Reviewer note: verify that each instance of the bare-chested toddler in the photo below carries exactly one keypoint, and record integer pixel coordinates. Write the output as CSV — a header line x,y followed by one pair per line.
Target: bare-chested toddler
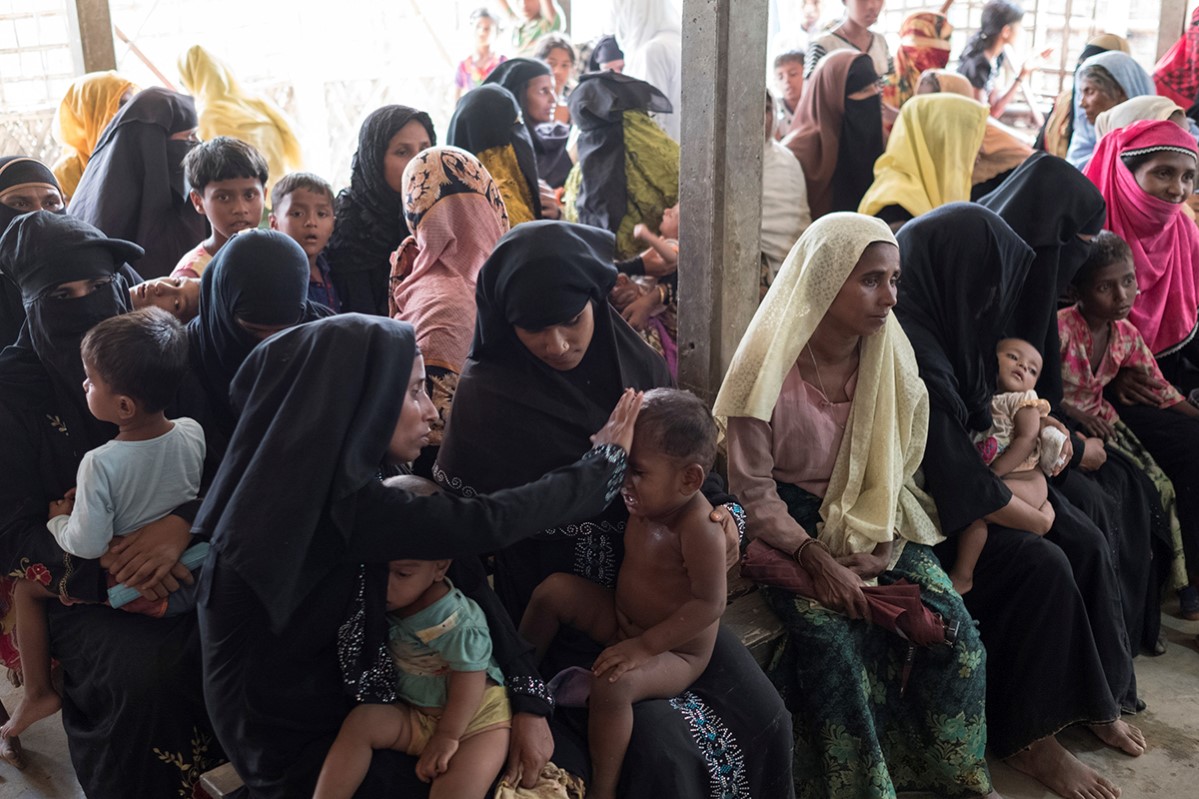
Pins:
x,y
660,623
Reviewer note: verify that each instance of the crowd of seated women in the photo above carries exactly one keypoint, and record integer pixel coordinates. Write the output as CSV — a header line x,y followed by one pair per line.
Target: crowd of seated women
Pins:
x,y
968,384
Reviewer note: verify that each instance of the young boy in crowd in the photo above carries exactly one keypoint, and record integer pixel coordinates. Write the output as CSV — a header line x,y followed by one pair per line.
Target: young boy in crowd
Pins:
x,y
853,33
788,71
454,712
302,207
660,623
1017,449
134,364
227,179
1098,341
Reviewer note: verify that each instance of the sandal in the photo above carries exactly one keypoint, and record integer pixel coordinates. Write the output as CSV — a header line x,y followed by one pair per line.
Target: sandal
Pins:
x,y
1188,603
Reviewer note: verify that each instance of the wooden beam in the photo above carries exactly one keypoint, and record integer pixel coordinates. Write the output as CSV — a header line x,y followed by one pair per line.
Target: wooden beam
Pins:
x,y
91,21
720,193
1172,20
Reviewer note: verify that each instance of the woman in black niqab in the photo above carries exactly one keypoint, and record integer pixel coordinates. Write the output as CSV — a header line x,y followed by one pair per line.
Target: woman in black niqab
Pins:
x,y
549,138
861,137
318,405
133,187
370,214
962,272
1050,205
515,416
132,684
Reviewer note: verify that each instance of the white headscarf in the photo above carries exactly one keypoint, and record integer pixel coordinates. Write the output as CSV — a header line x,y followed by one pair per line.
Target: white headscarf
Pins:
x,y
872,494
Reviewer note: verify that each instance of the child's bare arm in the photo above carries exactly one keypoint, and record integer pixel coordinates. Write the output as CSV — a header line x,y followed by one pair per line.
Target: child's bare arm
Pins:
x,y
703,548
1186,408
1024,441
657,244
464,694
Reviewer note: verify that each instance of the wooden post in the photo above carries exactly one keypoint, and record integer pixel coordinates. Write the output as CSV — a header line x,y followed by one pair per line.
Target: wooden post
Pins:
x,y
91,20
720,193
1172,20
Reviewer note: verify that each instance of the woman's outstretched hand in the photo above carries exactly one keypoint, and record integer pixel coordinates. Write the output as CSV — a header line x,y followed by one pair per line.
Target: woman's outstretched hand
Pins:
x,y
619,428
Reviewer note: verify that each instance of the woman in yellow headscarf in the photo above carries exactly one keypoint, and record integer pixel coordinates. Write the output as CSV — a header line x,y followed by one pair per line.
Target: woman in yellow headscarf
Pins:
x,y
89,105
929,159
226,109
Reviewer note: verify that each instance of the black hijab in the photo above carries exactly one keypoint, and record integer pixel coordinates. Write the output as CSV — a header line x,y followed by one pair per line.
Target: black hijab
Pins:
x,y
515,417
133,187
1047,202
317,407
40,251
606,50
861,137
963,269
488,117
370,216
549,138
962,272
16,170
261,277
597,106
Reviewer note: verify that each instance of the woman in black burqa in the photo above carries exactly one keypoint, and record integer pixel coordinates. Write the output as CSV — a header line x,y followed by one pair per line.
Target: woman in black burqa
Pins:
x,y
132,703
298,516
549,355
133,187
1048,607
370,213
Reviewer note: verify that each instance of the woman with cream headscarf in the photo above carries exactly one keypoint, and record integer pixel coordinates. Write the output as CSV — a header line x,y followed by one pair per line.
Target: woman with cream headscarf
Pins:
x,y
88,106
226,109
929,159
650,33
1150,106
826,418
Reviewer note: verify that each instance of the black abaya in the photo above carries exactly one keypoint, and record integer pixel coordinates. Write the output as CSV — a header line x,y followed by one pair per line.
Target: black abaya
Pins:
x,y
1048,607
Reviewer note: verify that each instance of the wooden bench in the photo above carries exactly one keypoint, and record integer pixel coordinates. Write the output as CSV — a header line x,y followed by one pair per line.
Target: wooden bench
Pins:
x,y
747,614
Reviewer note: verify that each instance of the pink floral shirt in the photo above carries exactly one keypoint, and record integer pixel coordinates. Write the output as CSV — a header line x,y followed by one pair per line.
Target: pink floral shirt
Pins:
x,y
1083,385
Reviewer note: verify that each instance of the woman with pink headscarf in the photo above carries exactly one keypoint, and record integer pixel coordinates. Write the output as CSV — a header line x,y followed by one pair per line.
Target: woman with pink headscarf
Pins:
x,y
456,215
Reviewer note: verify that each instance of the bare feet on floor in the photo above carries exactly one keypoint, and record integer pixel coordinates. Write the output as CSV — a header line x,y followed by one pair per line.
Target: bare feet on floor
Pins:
x,y
1048,762
33,708
1121,735
11,752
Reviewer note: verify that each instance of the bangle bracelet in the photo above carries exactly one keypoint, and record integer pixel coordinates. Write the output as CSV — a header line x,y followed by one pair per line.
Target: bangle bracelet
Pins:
x,y
662,295
799,550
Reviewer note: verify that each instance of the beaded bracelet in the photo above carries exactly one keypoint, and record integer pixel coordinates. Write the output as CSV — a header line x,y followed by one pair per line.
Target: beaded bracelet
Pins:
x,y
807,542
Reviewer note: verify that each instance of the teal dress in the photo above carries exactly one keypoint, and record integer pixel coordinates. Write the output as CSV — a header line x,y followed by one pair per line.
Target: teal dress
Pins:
x,y
856,736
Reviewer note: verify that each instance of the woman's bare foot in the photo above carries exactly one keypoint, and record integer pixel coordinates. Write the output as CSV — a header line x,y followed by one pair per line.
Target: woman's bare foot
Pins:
x,y
33,708
1121,735
1048,762
11,751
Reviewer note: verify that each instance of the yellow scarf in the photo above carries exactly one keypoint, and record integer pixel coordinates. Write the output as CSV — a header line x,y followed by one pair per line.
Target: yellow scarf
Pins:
x,y
225,109
89,105
505,170
871,493
930,155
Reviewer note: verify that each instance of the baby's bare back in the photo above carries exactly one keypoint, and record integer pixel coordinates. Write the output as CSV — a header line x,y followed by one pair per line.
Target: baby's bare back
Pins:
x,y
655,581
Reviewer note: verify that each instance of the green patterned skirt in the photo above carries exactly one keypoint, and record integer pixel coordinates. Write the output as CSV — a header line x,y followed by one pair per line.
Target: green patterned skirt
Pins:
x,y
856,737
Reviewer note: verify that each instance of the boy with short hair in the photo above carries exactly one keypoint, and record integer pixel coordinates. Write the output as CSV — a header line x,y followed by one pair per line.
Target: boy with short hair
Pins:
x,y
227,179
788,71
302,207
134,364
660,623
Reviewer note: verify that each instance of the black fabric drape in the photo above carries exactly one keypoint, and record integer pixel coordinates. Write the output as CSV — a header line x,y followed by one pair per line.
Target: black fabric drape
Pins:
x,y
1048,203
597,107
1048,607
370,215
134,187
549,138
861,137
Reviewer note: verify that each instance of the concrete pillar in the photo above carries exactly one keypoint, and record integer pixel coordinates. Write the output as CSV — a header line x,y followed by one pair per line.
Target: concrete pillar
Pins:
x,y
1172,21
92,22
724,96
